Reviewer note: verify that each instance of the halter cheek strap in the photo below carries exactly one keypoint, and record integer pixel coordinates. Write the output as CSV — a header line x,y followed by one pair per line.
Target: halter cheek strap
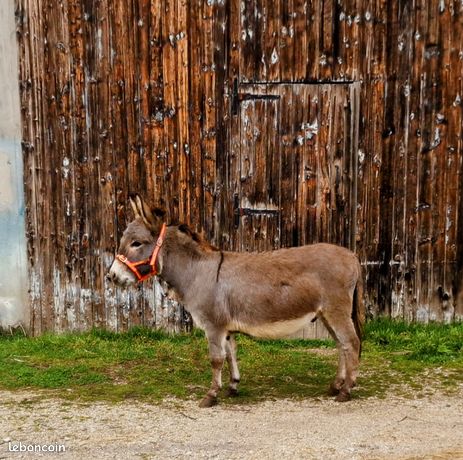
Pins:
x,y
150,263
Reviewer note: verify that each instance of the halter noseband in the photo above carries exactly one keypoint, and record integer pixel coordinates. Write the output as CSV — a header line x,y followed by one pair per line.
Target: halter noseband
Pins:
x,y
150,263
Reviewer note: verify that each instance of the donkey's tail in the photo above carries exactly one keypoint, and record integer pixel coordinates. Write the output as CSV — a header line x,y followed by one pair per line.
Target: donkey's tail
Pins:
x,y
358,308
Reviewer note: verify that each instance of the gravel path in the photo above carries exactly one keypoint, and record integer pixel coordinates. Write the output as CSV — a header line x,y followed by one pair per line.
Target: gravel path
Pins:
x,y
392,428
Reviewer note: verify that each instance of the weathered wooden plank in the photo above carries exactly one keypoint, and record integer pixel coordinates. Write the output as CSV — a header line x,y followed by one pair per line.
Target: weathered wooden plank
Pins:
x,y
185,211
272,43
456,145
313,41
158,111
209,119
327,109
284,56
400,123
247,40
59,110
223,82
300,122
259,203
308,191
170,172
289,176
327,21
196,91
437,56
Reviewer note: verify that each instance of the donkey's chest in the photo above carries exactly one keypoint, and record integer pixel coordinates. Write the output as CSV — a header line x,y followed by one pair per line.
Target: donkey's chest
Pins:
x,y
273,330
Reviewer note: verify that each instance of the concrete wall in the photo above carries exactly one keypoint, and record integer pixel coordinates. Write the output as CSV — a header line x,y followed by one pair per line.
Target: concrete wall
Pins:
x,y
13,271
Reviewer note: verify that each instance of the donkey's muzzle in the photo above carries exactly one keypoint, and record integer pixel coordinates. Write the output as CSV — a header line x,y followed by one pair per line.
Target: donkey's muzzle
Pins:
x,y
118,274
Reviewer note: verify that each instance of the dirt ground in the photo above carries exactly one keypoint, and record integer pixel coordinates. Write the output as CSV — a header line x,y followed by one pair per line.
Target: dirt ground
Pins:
x,y
391,428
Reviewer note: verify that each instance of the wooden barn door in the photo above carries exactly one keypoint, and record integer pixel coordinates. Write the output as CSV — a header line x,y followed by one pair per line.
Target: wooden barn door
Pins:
x,y
256,174
293,168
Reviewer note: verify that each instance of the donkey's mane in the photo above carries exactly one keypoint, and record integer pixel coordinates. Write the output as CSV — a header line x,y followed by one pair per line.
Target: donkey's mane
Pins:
x,y
197,238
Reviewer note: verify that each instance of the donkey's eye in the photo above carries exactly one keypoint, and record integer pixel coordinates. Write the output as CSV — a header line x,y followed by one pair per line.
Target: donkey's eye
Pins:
x,y
135,244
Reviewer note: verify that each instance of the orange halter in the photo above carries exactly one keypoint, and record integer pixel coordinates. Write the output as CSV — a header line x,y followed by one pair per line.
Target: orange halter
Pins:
x,y
134,267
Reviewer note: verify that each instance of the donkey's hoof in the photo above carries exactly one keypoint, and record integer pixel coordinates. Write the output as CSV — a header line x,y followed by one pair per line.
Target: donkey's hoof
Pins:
x,y
208,401
343,396
232,392
333,390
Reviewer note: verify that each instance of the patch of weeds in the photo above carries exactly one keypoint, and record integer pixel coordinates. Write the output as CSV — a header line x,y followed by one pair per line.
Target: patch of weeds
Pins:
x,y
417,353
432,343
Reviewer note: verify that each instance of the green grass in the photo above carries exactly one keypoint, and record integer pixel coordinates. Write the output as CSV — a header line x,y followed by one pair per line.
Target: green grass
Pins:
x,y
428,343
151,365
413,359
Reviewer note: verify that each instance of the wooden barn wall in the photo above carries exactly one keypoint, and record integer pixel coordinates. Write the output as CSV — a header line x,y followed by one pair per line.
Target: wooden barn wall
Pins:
x,y
116,97
138,95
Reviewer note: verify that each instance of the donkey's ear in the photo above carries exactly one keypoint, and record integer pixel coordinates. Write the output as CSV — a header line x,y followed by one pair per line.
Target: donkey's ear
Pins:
x,y
133,204
152,218
159,213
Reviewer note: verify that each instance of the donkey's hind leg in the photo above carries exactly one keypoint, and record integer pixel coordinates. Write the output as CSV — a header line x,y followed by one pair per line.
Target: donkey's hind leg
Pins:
x,y
342,330
230,347
216,339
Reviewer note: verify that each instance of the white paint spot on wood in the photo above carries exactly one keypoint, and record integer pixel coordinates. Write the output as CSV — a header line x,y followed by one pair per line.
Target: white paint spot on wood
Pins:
x,y
361,156
310,129
65,169
58,298
401,43
99,43
274,57
437,138
448,223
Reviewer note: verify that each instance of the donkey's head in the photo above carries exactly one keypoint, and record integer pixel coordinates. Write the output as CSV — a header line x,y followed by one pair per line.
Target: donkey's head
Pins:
x,y
136,259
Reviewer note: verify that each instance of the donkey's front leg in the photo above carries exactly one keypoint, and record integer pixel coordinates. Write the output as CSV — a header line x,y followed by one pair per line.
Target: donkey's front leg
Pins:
x,y
230,348
216,339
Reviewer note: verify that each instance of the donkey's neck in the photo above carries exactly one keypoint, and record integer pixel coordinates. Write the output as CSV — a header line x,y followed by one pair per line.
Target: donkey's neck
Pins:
x,y
183,262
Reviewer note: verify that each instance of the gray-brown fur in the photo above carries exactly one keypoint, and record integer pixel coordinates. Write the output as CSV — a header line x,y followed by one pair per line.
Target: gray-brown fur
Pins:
x,y
263,294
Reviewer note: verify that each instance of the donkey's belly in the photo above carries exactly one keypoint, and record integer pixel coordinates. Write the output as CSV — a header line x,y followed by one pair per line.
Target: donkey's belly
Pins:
x,y
275,330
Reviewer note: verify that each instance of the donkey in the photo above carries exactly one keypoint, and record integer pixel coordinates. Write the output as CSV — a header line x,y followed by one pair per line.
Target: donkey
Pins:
x,y
269,294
